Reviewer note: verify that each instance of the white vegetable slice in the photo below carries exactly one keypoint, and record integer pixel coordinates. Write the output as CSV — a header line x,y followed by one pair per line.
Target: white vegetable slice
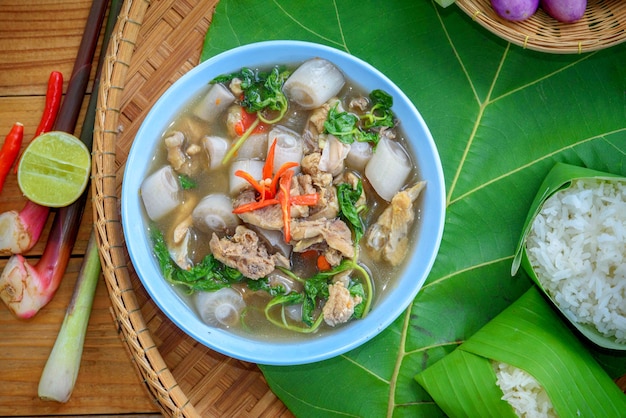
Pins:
x,y
216,101
215,213
360,153
313,83
289,146
252,167
220,308
161,192
215,147
255,147
388,169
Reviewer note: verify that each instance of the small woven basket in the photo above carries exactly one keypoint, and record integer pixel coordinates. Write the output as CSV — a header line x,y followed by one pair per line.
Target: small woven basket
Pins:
x,y
151,46
602,26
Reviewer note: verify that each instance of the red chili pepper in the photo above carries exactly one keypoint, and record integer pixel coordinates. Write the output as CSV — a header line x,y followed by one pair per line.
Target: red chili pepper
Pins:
x,y
54,94
246,121
53,102
10,150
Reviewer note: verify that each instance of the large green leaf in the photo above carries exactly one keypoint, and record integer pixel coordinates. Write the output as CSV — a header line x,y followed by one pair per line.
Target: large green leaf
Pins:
x,y
501,117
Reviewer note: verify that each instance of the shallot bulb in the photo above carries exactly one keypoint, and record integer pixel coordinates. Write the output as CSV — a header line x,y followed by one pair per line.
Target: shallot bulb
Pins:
x,y
220,308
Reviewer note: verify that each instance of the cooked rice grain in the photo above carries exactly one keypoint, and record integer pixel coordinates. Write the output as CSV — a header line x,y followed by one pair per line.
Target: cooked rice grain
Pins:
x,y
522,391
577,248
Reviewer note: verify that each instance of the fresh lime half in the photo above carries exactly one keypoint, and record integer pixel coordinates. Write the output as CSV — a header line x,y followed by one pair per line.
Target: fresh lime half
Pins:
x,y
54,169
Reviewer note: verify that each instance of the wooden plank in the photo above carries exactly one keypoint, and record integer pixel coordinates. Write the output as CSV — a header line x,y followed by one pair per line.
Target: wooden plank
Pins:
x,y
37,37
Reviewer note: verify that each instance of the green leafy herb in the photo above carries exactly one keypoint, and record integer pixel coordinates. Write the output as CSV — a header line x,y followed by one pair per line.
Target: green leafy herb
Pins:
x,y
207,275
380,113
263,284
262,94
261,90
315,291
356,289
348,211
348,127
186,182
345,127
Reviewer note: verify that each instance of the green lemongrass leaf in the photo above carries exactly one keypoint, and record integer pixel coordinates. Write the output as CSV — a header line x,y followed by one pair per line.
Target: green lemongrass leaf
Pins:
x,y
560,178
530,335
61,370
464,384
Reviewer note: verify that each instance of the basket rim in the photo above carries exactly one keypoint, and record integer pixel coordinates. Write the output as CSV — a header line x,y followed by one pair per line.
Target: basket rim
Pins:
x,y
127,316
602,26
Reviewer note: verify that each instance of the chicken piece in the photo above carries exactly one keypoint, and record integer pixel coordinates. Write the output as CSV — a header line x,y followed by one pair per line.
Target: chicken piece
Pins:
x,y
244,252
328,204
360,103
184,157
340,304
387,238
179,249
269,217
321,234
175,154
315,125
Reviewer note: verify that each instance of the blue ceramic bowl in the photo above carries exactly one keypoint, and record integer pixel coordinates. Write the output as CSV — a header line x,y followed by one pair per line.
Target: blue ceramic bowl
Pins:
x,y
384,311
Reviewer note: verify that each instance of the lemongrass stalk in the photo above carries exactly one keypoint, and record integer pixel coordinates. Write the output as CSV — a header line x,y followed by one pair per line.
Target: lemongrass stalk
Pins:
x,y
25,289
61,370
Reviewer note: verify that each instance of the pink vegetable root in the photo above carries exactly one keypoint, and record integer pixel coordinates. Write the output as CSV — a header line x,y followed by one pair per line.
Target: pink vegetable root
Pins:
x,y
20,231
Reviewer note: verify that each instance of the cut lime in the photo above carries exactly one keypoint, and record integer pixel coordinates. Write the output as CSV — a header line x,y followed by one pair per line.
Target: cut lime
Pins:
x,y
54,169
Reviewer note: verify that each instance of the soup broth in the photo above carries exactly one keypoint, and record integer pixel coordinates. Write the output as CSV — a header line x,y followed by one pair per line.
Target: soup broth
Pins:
x,y
294,225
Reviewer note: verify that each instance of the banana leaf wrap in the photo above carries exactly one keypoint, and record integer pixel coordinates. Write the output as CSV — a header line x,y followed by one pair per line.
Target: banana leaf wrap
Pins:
x,y
560,178
529,335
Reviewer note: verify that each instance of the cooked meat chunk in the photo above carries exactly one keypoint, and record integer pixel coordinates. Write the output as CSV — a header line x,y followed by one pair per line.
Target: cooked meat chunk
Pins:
x,y
340,304
387,239
359,103
321,234
179,249
184,157
244,252
175,154
322,183
315,126
269,217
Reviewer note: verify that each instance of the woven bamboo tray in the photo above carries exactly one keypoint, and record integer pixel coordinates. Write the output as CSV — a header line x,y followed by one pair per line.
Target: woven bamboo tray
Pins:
x,y
602,26
153,44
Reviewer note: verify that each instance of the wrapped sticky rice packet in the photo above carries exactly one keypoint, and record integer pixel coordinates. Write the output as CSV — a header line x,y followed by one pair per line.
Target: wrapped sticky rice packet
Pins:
x,y
528,336
573,246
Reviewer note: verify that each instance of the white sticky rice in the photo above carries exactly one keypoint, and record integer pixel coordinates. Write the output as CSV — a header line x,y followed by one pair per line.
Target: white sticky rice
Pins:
x,y
577,247
522,391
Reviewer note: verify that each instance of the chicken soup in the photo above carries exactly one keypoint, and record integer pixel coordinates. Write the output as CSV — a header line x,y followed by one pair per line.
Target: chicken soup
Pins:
x,y
283,201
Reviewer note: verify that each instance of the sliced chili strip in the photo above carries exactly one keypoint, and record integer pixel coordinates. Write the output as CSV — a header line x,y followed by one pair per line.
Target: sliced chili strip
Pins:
x,y
253,182
249,207
285,203
305,199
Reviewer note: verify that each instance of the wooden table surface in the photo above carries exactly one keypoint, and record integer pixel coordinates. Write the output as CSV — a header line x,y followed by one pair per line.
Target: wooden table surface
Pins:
x,y
37,37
